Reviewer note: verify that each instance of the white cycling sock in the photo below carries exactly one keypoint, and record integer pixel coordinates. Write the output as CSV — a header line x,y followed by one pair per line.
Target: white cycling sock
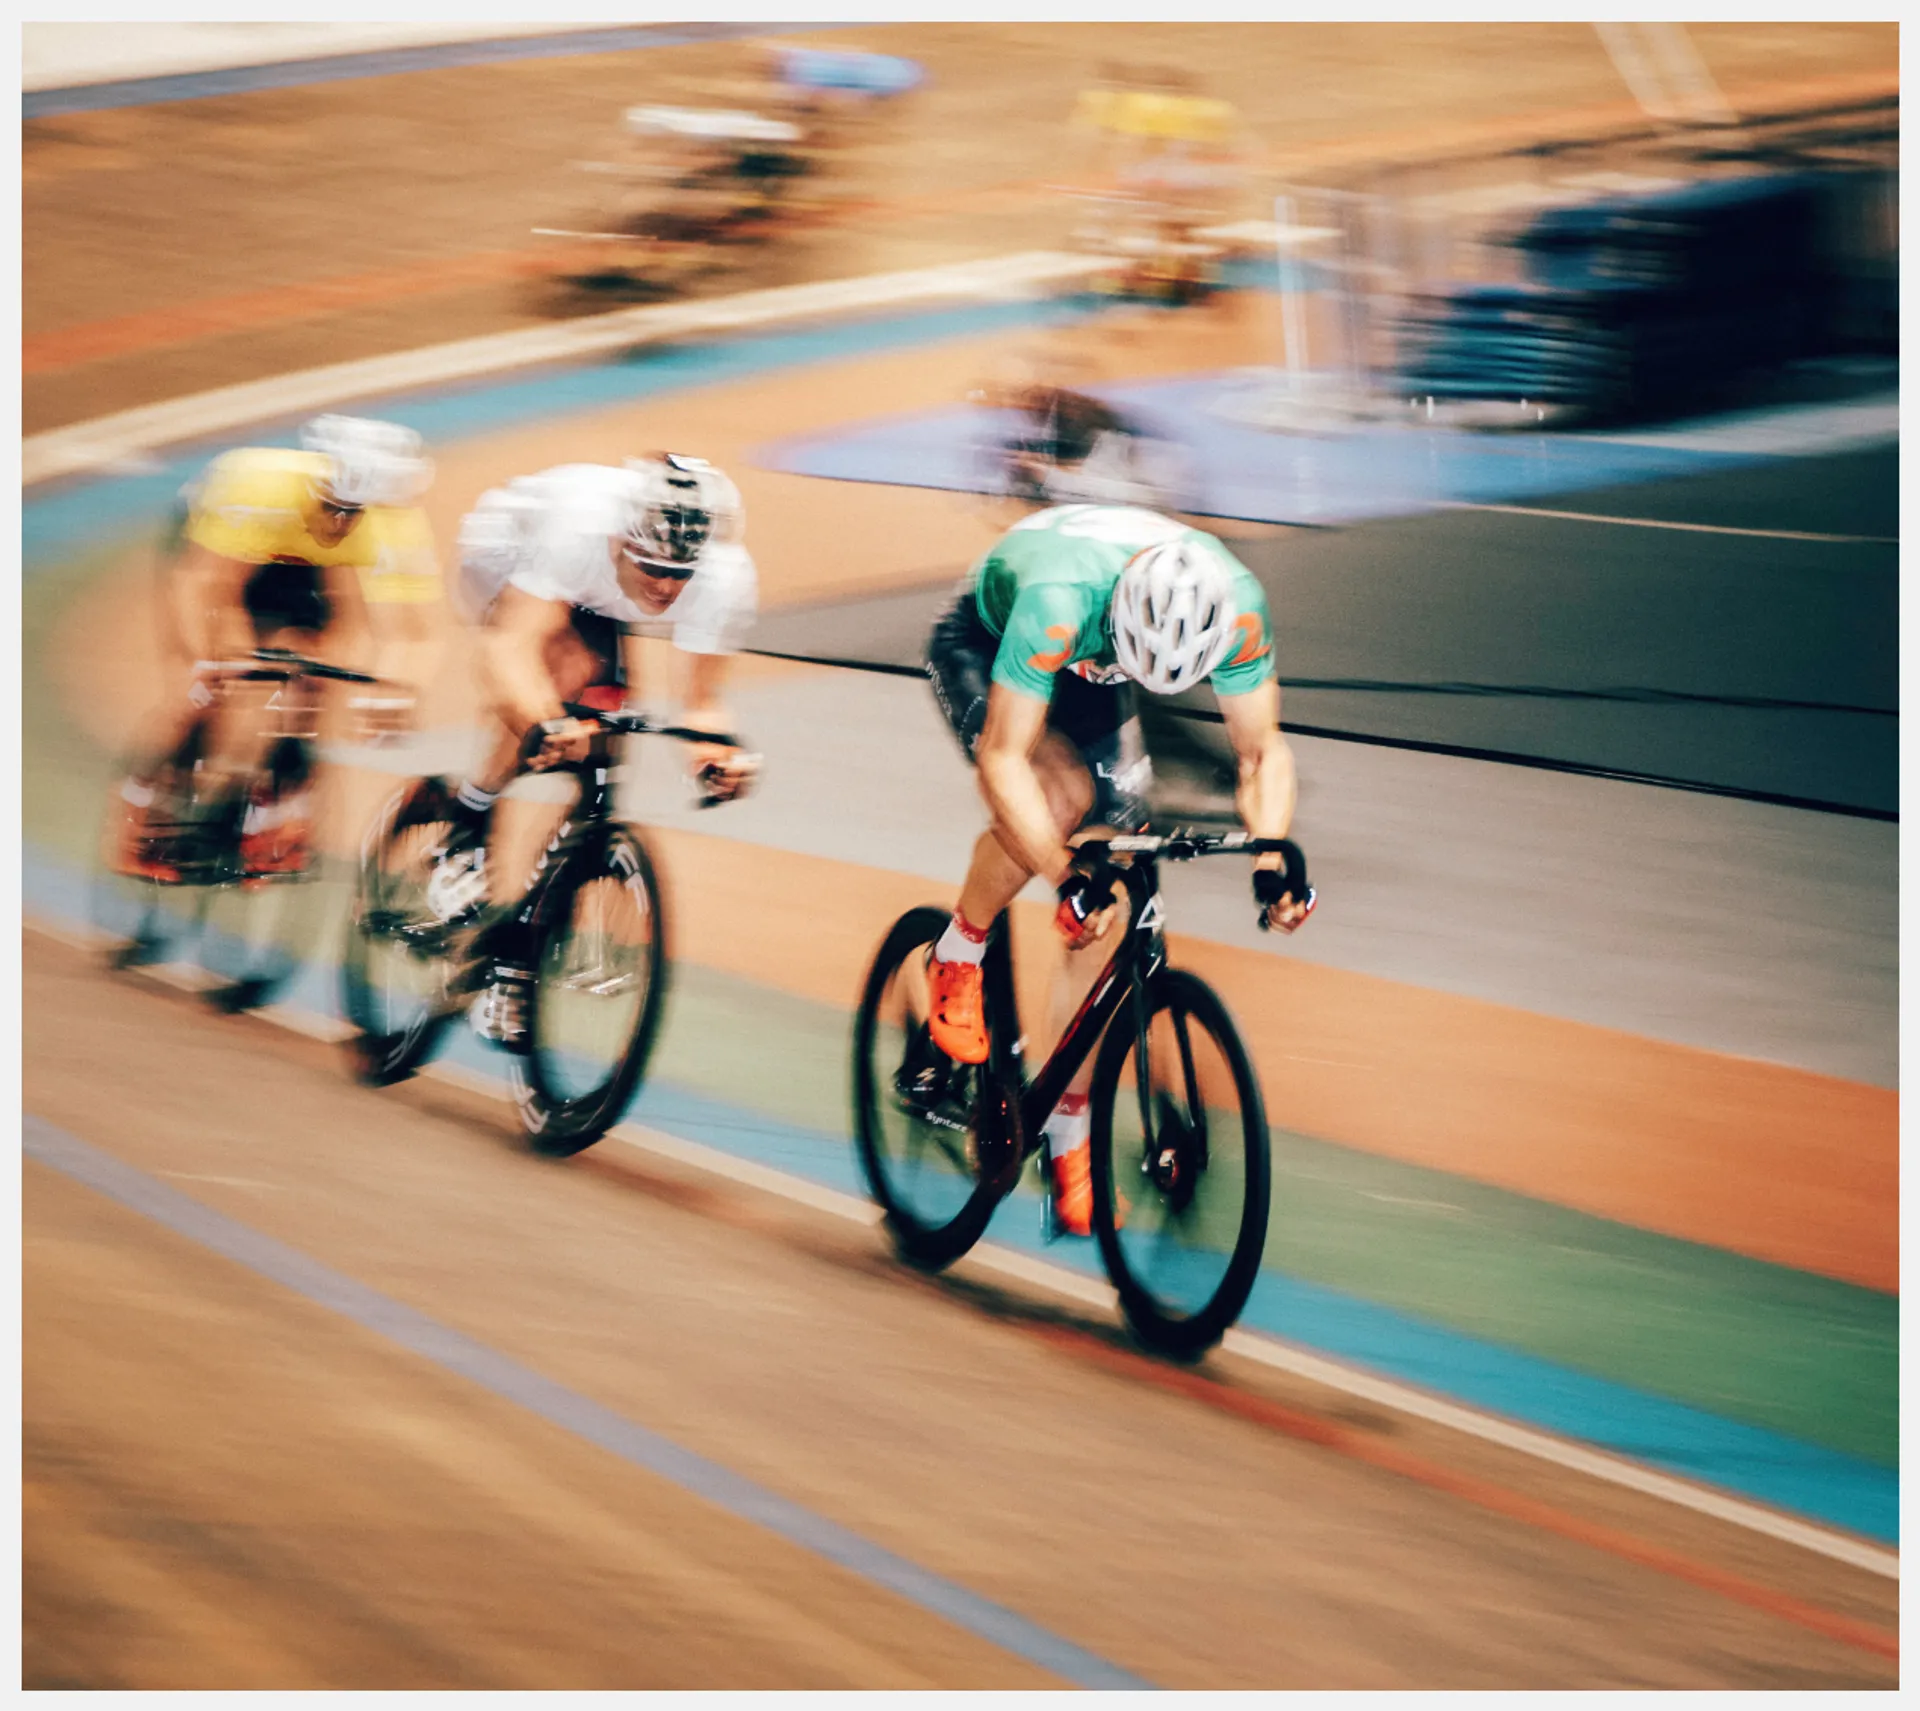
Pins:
x,y
1069,1125
470,795
961,942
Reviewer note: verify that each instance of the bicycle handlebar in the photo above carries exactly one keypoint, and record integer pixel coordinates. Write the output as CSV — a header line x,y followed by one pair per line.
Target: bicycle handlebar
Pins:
x,y
284,663
643,725
1186,846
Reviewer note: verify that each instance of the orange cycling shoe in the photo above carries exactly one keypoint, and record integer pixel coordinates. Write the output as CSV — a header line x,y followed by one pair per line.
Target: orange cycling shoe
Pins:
x,y
958,1021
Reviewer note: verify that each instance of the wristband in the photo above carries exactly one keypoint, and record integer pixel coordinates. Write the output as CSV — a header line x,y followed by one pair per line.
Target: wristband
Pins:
x,y
1271,884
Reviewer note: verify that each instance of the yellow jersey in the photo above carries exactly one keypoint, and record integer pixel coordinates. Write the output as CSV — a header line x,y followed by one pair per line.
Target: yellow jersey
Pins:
x,y
252,505
1152,113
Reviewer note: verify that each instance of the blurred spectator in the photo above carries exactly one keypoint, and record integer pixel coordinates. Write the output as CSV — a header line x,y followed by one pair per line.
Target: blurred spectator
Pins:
x,y
1160,160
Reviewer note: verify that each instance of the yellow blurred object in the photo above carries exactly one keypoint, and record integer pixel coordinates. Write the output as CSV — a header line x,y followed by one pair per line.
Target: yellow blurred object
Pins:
x,y
1158,114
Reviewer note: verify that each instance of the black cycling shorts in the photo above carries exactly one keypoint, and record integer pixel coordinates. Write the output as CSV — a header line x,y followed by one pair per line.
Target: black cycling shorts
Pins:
x,y
287,597
1097,718
601,637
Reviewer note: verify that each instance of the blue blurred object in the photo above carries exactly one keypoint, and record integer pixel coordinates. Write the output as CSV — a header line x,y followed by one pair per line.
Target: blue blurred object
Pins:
x,y
1639,304
860,73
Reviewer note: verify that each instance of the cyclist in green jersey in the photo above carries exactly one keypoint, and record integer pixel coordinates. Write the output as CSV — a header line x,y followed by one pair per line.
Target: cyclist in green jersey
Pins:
x,y
1034,664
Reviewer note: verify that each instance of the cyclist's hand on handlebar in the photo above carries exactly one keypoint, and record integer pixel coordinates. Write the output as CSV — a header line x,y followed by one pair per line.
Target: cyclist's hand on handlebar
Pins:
x,y
1086,899
558,742
722,774
1284,896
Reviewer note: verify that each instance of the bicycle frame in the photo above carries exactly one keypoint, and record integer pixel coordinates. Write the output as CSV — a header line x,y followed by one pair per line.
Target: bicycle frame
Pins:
x,y
592,814
1136,959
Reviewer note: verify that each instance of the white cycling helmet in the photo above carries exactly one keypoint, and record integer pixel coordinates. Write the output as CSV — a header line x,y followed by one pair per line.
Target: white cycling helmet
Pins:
x,y
374,463
681,503
1173,616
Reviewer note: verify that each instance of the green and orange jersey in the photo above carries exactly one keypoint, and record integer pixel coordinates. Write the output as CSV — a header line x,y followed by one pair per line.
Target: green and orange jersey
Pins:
x,y
1046,586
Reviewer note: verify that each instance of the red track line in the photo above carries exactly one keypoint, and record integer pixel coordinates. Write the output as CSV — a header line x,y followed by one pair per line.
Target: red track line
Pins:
x,y
1357,1446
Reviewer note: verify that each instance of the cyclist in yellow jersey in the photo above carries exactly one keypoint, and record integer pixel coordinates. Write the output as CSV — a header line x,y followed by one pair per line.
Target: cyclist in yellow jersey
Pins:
x,y
293,546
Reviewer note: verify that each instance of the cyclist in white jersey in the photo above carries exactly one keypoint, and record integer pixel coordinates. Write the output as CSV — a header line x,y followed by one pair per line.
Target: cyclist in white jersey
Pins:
x,y
557,567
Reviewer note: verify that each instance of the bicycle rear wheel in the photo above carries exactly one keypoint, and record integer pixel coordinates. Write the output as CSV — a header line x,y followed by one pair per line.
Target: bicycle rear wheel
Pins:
x,y
599,984
919,1117
1181,1175
138,920
397,970
246,939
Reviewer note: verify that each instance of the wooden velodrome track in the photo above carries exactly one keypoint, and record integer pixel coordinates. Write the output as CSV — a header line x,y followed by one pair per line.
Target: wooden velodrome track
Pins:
x,y
246,1464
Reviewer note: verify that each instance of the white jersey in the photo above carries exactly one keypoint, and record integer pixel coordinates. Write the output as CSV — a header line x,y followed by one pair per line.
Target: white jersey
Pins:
x,y
549,535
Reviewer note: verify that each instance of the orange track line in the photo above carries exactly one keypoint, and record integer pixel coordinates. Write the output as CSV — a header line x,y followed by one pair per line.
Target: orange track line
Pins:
x,y
1309,1428
159,329
128,335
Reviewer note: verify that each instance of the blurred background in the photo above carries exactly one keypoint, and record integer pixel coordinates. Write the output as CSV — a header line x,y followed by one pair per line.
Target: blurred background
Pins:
x,y
1547,377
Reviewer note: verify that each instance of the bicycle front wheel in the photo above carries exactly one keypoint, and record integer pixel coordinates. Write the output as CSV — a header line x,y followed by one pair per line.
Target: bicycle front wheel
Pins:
x,y
1181,1174
397,971
918,1116
599,984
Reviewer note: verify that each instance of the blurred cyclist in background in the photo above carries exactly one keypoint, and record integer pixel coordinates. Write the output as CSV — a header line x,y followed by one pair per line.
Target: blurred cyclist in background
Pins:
x,y
559,567
293,548
1062,445
1033,664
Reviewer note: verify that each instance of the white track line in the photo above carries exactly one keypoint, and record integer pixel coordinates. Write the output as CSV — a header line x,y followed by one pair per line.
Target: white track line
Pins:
x,y
1660,523
1287,1357
110,440
1094,1293
125,439
113,440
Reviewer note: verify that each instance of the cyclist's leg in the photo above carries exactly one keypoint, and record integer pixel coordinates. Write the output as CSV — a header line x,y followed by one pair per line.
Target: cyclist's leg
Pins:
x,y
268,734
177,736
579,660
465,877
1099,722
959,663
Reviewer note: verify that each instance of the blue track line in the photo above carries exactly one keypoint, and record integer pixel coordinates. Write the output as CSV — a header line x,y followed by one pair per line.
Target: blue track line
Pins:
x,y
1821,1484
567,1409
60,522
380,62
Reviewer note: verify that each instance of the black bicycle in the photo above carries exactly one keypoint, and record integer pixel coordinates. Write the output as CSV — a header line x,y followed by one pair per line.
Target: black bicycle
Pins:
x,y
1181,1175
192,889
590,930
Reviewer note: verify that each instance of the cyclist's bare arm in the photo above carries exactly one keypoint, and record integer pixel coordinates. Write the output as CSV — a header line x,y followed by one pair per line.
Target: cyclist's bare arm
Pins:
x,y
513,658
404,648
1267,788
723,771
212,617
705,707
516,678
1023,820
349,640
